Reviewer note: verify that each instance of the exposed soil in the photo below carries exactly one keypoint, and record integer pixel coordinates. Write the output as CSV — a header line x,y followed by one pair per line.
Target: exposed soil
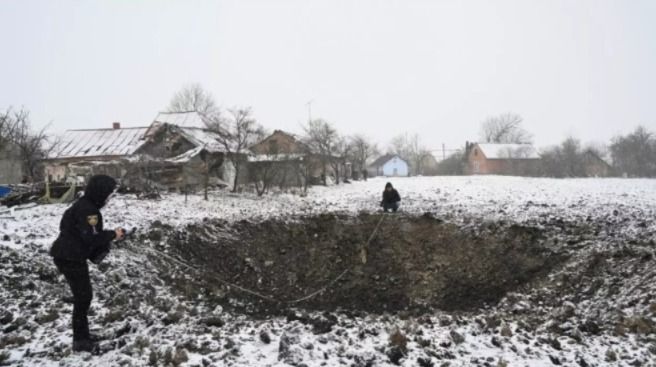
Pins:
x,y
413,263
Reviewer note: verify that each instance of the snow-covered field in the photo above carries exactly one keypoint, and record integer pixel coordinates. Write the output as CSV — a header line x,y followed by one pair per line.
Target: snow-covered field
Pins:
x,y
34,320
491,197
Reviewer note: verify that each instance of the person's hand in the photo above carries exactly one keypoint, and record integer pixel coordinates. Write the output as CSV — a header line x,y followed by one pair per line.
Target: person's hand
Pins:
x,y
120,234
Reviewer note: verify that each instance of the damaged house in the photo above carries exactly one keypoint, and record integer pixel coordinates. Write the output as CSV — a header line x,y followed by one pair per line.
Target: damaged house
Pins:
x,y
81,153
179,152
174,153
283,159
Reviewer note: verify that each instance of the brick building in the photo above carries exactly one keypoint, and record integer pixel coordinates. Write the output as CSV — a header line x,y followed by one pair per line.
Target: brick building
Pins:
x,y
502,159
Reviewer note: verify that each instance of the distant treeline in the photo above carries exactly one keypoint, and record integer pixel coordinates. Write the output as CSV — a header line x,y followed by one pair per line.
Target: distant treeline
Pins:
x,y
630,155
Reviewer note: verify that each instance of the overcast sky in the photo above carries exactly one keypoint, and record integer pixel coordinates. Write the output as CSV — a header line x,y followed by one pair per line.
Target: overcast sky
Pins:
x,y
437,68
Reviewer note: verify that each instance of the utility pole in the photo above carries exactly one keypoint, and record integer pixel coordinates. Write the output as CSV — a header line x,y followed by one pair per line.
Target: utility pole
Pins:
x,y
443,152
309,105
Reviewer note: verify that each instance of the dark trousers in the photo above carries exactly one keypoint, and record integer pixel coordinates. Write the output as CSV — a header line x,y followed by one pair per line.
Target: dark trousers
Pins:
x,y
77,276
391,206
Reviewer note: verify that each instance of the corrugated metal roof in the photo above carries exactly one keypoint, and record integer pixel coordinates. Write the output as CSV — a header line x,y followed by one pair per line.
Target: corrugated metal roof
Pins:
x,y
99,143
182,119
509,151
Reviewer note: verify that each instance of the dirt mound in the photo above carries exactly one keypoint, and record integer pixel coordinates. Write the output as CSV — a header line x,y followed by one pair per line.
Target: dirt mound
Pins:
x,y
412,262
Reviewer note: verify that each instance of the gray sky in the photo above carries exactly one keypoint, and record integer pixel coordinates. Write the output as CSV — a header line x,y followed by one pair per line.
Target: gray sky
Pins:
x,y
437,68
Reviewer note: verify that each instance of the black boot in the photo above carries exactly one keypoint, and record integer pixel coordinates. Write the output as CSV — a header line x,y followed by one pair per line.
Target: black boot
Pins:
x,y
84,345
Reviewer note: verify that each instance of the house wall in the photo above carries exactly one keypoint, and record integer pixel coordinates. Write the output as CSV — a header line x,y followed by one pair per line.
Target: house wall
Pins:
x,y
281,174
395,167
278,143
595,167
478,164
597,170
59,169
11,167
294,170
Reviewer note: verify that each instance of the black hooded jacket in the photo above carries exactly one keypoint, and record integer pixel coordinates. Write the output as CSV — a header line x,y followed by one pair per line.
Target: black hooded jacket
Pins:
x,y
392,196
81,234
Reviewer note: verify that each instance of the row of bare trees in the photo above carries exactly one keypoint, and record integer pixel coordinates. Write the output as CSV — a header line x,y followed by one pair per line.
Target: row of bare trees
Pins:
x,y
334,150
17,134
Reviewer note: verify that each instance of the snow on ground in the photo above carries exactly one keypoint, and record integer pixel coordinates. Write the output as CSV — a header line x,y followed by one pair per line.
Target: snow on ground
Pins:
x,y
490,197
357,340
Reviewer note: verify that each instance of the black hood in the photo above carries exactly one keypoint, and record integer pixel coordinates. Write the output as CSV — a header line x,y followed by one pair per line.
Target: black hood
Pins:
x,y
99,188
389,184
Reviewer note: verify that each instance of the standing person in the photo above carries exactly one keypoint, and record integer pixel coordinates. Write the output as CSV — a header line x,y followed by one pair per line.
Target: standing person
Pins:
x,y
82,238
391,198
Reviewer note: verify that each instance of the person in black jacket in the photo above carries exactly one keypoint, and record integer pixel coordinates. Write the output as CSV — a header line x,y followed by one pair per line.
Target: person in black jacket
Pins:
x,y
391,198
82,238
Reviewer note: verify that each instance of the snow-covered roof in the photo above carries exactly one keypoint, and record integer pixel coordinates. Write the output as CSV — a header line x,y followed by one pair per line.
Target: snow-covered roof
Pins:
x,y
182,119
99,143
186,156
384,159
509,151
204,138
275,157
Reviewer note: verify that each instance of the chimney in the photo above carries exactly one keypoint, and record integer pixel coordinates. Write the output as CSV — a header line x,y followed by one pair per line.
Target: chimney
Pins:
x,y
116,125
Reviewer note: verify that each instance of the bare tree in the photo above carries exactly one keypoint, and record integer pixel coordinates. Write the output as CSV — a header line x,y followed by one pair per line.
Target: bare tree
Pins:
x,y
343,153
454,164
412,150
418,154
305,166
264,174
194,98
505,129
8,122
303,171
635,154
323,138
401,146
236,134
572,158
363,150
33,146
564,160
422,160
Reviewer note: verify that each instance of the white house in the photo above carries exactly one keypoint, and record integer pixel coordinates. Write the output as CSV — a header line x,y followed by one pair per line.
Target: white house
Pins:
x,y
389,165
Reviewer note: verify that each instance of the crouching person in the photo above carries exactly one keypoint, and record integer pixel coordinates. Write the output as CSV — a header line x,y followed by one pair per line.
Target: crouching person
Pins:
x,y
82,238
391,198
